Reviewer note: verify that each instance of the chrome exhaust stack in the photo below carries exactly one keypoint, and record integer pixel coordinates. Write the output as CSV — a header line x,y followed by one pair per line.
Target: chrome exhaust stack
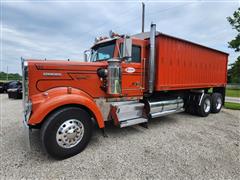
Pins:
x,y
151,69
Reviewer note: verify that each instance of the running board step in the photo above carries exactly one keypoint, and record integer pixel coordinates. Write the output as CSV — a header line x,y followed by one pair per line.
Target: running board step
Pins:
x,y
128,113
131,122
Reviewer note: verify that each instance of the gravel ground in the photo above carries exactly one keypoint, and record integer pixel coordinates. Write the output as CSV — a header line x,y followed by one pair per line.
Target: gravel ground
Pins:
x,y
178,146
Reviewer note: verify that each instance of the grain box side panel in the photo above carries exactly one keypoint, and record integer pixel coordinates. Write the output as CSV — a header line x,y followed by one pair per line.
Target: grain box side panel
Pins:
x,y
184,65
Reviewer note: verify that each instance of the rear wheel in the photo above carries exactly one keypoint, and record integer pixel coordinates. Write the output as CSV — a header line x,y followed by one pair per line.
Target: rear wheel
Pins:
x,y
217,102
66,132
205,106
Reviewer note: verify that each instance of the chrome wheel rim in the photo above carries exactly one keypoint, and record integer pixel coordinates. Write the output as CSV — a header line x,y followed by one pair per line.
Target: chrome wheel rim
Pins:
x,y
218,103
70,133
207,105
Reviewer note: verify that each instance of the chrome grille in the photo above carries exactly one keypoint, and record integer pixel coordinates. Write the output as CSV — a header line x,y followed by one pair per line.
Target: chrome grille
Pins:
x,y
27,105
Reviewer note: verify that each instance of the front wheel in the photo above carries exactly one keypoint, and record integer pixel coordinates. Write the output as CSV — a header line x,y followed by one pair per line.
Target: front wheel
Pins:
x,y
66,132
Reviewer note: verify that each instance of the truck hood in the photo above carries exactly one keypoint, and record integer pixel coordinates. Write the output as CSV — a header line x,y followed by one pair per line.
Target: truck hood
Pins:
x,y
46,75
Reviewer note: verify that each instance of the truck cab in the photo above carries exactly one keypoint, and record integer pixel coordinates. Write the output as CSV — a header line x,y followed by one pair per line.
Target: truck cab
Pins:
x,y
131,53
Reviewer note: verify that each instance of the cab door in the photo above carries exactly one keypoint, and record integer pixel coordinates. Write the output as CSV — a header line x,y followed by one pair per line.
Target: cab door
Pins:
x,y
133,72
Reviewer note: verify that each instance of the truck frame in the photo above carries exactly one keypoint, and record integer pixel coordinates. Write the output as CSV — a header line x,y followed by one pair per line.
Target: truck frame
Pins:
x,y
127,80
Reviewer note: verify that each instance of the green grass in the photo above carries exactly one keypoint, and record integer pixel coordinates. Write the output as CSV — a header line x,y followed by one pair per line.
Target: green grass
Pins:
x,y
234,106
230,92
233,92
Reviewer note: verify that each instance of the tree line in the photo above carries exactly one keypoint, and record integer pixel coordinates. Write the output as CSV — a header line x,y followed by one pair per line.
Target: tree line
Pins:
x,y
10,76
234,68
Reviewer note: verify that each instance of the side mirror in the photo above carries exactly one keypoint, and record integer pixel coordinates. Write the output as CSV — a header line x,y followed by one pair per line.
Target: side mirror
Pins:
x,y
127,48
86,55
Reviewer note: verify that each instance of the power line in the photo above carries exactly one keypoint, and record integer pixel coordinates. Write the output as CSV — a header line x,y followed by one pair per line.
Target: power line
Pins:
x,y
173,7
153,13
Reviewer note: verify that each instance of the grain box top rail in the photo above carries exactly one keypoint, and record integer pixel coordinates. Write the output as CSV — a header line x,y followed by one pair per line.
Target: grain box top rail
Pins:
x,y
145,35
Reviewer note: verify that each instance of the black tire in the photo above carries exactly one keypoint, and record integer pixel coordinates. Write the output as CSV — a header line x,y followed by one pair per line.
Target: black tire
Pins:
x,y
14,95
19,95
205,107
51,127
217,102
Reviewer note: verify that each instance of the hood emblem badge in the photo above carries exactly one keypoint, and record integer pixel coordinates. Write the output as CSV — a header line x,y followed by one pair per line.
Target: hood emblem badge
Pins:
x,y
51,74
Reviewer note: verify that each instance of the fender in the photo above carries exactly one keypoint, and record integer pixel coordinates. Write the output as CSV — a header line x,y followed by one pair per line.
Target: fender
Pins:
x,y
44,103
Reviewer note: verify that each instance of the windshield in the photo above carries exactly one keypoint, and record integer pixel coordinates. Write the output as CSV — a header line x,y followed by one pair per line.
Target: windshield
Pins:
x,y
102,51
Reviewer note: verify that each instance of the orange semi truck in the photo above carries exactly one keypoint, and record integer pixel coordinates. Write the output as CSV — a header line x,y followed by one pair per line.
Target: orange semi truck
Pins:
x,y
128,80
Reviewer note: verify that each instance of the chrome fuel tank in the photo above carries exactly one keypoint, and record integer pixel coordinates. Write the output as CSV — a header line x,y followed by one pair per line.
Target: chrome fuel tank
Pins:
x,y
165,107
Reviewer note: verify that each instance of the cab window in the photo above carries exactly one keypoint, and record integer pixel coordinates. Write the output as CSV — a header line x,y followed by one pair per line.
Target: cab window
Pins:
x,y
136,53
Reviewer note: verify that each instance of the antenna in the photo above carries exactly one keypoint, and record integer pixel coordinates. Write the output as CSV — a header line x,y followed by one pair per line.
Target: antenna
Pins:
x,y
143,16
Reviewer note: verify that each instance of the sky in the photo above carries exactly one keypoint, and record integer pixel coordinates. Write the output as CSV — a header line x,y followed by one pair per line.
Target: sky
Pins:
x,y
64,29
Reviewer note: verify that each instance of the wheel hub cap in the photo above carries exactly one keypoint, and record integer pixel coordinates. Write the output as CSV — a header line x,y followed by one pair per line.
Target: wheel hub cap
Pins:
x,y
70,133
219,103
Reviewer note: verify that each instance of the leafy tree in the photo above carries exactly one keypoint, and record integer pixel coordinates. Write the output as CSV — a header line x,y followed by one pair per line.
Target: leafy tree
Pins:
x,y
11,76
234,71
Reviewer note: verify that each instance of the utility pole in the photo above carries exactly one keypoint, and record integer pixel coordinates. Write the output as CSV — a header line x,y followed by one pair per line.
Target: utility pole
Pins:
x,y
143,16
7,73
